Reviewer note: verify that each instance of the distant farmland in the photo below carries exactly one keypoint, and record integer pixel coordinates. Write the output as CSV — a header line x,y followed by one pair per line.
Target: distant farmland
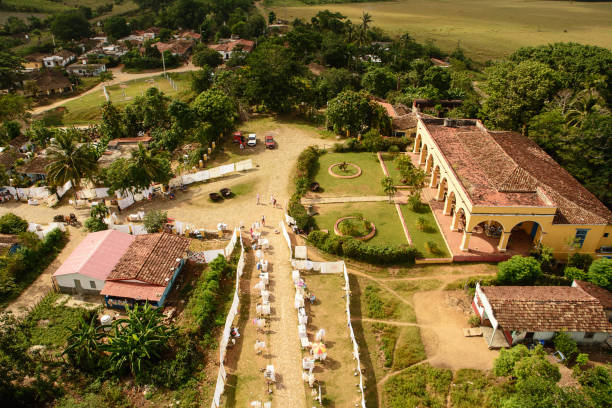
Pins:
x,y
485,29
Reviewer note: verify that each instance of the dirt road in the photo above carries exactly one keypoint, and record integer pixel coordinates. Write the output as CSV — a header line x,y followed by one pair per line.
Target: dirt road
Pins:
x,y
119,77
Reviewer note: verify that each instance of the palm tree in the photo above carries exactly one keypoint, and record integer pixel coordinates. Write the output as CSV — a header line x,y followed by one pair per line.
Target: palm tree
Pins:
x,y
366,19
148,166
582,105
388,187
70,161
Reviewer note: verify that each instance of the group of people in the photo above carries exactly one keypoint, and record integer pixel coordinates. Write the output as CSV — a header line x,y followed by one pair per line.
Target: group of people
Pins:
x,y
272,200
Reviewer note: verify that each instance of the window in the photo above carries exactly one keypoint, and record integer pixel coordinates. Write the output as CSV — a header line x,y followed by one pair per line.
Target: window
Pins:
x,y
606,235
529,336
589,335
580,237
92,284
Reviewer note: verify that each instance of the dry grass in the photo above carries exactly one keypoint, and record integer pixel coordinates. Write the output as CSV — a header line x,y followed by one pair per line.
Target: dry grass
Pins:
x,y
486,30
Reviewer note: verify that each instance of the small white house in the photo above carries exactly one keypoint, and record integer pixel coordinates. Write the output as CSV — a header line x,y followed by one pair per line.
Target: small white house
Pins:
x,y
59,59
88,266
524,313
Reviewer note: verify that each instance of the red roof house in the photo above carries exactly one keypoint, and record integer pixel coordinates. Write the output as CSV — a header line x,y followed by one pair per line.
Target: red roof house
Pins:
x,y
88,266
147,270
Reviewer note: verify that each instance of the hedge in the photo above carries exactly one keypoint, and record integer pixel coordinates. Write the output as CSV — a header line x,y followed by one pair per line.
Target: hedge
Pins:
x,y
307,165
372,143
355,249
12,224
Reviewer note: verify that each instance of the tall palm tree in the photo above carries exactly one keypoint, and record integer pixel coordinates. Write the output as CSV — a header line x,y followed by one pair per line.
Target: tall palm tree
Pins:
x,y
148,166
70,161
366,19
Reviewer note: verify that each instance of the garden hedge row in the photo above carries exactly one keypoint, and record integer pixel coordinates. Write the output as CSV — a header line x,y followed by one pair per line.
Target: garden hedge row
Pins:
x,y
372,142
357,250
307,165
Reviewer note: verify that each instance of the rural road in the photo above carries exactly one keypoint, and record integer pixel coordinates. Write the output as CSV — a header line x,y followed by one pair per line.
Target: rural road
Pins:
x,y
119,77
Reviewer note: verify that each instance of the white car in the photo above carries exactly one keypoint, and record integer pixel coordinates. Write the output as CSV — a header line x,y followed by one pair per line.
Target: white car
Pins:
x,y
252,140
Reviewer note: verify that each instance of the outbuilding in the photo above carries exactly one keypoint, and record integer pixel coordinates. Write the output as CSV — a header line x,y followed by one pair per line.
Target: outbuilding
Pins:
x,y
86,269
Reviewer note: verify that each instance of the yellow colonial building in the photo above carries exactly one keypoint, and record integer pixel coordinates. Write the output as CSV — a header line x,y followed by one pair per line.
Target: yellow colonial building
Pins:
x,y
499,193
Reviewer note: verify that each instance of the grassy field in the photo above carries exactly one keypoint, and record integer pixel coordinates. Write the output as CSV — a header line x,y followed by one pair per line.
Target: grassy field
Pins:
x,y
50,6
86,109
420,238
368,183
485,29
388,228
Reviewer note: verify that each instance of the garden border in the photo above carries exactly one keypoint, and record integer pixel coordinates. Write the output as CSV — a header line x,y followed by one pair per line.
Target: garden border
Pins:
x,y
331,173
361,238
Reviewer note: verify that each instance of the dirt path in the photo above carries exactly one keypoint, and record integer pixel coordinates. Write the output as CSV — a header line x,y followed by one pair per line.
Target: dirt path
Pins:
x,y
43,284
119,77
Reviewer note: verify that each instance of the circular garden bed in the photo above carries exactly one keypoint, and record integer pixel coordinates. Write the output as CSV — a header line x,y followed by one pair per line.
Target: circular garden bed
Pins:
x,y
356,227
344,170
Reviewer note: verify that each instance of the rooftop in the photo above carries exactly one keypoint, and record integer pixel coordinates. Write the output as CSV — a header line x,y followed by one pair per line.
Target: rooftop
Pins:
x,y
129,140
604,296
151,258
179,47
36,165
97,254
228,46
546,308
508,169
49,79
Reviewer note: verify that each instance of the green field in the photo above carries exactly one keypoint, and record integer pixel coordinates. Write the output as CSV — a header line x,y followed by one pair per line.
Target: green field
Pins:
x,y
485,29
368,183
86,109
51,6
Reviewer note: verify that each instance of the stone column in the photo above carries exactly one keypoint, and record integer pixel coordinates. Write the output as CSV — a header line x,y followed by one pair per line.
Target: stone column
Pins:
x,y
447,205
416,146
455,222
422,156
440,195
434,179
465,241
428,163
503,241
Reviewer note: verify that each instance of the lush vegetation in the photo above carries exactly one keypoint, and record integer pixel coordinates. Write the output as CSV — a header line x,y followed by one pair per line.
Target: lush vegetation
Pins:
x,y
422,385
12,224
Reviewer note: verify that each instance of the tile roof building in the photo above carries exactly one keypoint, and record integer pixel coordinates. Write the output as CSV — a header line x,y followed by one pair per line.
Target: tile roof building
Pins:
x,y
538,312
227,47
88,266
147,270
503,179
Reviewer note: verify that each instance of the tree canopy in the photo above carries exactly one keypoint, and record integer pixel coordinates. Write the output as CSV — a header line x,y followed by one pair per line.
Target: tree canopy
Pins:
x,y
70,26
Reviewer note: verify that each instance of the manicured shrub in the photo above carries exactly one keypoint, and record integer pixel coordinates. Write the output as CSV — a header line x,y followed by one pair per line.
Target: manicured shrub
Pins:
x,y
580,261
519,270
600,273
12,224
573,273
300,215
433,247
360,251
95,224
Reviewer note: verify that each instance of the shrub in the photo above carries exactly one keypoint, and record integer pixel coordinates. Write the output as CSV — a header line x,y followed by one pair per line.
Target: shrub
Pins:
x,y
95,224
155,220
415,203
422,223
573,273
307,162
393,149
12,224
474,320
360,251
300,215
519,269
566,345
600,273
433,247
580,261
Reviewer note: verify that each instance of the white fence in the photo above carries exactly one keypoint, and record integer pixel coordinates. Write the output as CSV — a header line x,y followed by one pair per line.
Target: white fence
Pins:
x,y
209,174
229,320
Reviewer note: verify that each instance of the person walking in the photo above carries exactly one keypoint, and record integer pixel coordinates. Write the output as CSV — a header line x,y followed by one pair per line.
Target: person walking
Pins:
x,y
263,220
257,198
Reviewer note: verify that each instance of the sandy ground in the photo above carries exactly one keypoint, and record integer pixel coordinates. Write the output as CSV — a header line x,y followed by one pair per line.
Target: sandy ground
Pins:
x,y
441,324
42,285
119,77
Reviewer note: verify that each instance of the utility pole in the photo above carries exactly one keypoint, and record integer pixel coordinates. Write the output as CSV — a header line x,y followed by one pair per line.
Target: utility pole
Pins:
x,y
164,63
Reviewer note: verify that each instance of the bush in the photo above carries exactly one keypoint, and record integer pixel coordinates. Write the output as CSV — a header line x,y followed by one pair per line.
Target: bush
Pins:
x,y
474,320
393,149
433,247
95,224
300,215
519,270
372,143
307,162
600,273
566,345
573,273
355,249
415,203
580,261
12,224
155,220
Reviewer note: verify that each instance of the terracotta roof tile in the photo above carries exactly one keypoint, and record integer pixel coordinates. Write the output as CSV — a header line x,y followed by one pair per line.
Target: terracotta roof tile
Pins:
x,y
604,296
546,308
151,258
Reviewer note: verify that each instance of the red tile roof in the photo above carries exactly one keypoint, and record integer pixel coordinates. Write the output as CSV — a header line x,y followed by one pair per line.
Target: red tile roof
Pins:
x,y
247,45
604,296
508,169
136,291
389,108
175,47
151,258
140,139
546,308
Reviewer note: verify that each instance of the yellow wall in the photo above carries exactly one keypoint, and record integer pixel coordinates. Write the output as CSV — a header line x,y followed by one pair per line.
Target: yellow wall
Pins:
x,y
557,236
33,65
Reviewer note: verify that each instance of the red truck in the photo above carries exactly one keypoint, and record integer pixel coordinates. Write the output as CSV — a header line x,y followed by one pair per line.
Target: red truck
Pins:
x,y
270,142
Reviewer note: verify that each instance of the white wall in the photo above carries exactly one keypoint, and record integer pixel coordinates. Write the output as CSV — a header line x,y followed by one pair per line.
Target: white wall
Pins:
x,y
68,281
577,336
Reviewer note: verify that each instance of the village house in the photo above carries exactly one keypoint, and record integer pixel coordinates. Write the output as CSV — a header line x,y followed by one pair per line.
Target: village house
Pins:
x,y
122,148
33,62
46,82
188,36
87,267
440,63
59,59
403,121
85,69
228,46
179,48
537,313
497,193
147,271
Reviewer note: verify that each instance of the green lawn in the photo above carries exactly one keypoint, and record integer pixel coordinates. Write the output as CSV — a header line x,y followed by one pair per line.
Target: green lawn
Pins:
x,y
389,160
86,109
368,183
384,216
420,238
378,303
484,29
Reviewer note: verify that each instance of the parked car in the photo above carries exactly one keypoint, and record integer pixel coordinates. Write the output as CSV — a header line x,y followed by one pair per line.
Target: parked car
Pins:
x,y
252,141
270,142
238,138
